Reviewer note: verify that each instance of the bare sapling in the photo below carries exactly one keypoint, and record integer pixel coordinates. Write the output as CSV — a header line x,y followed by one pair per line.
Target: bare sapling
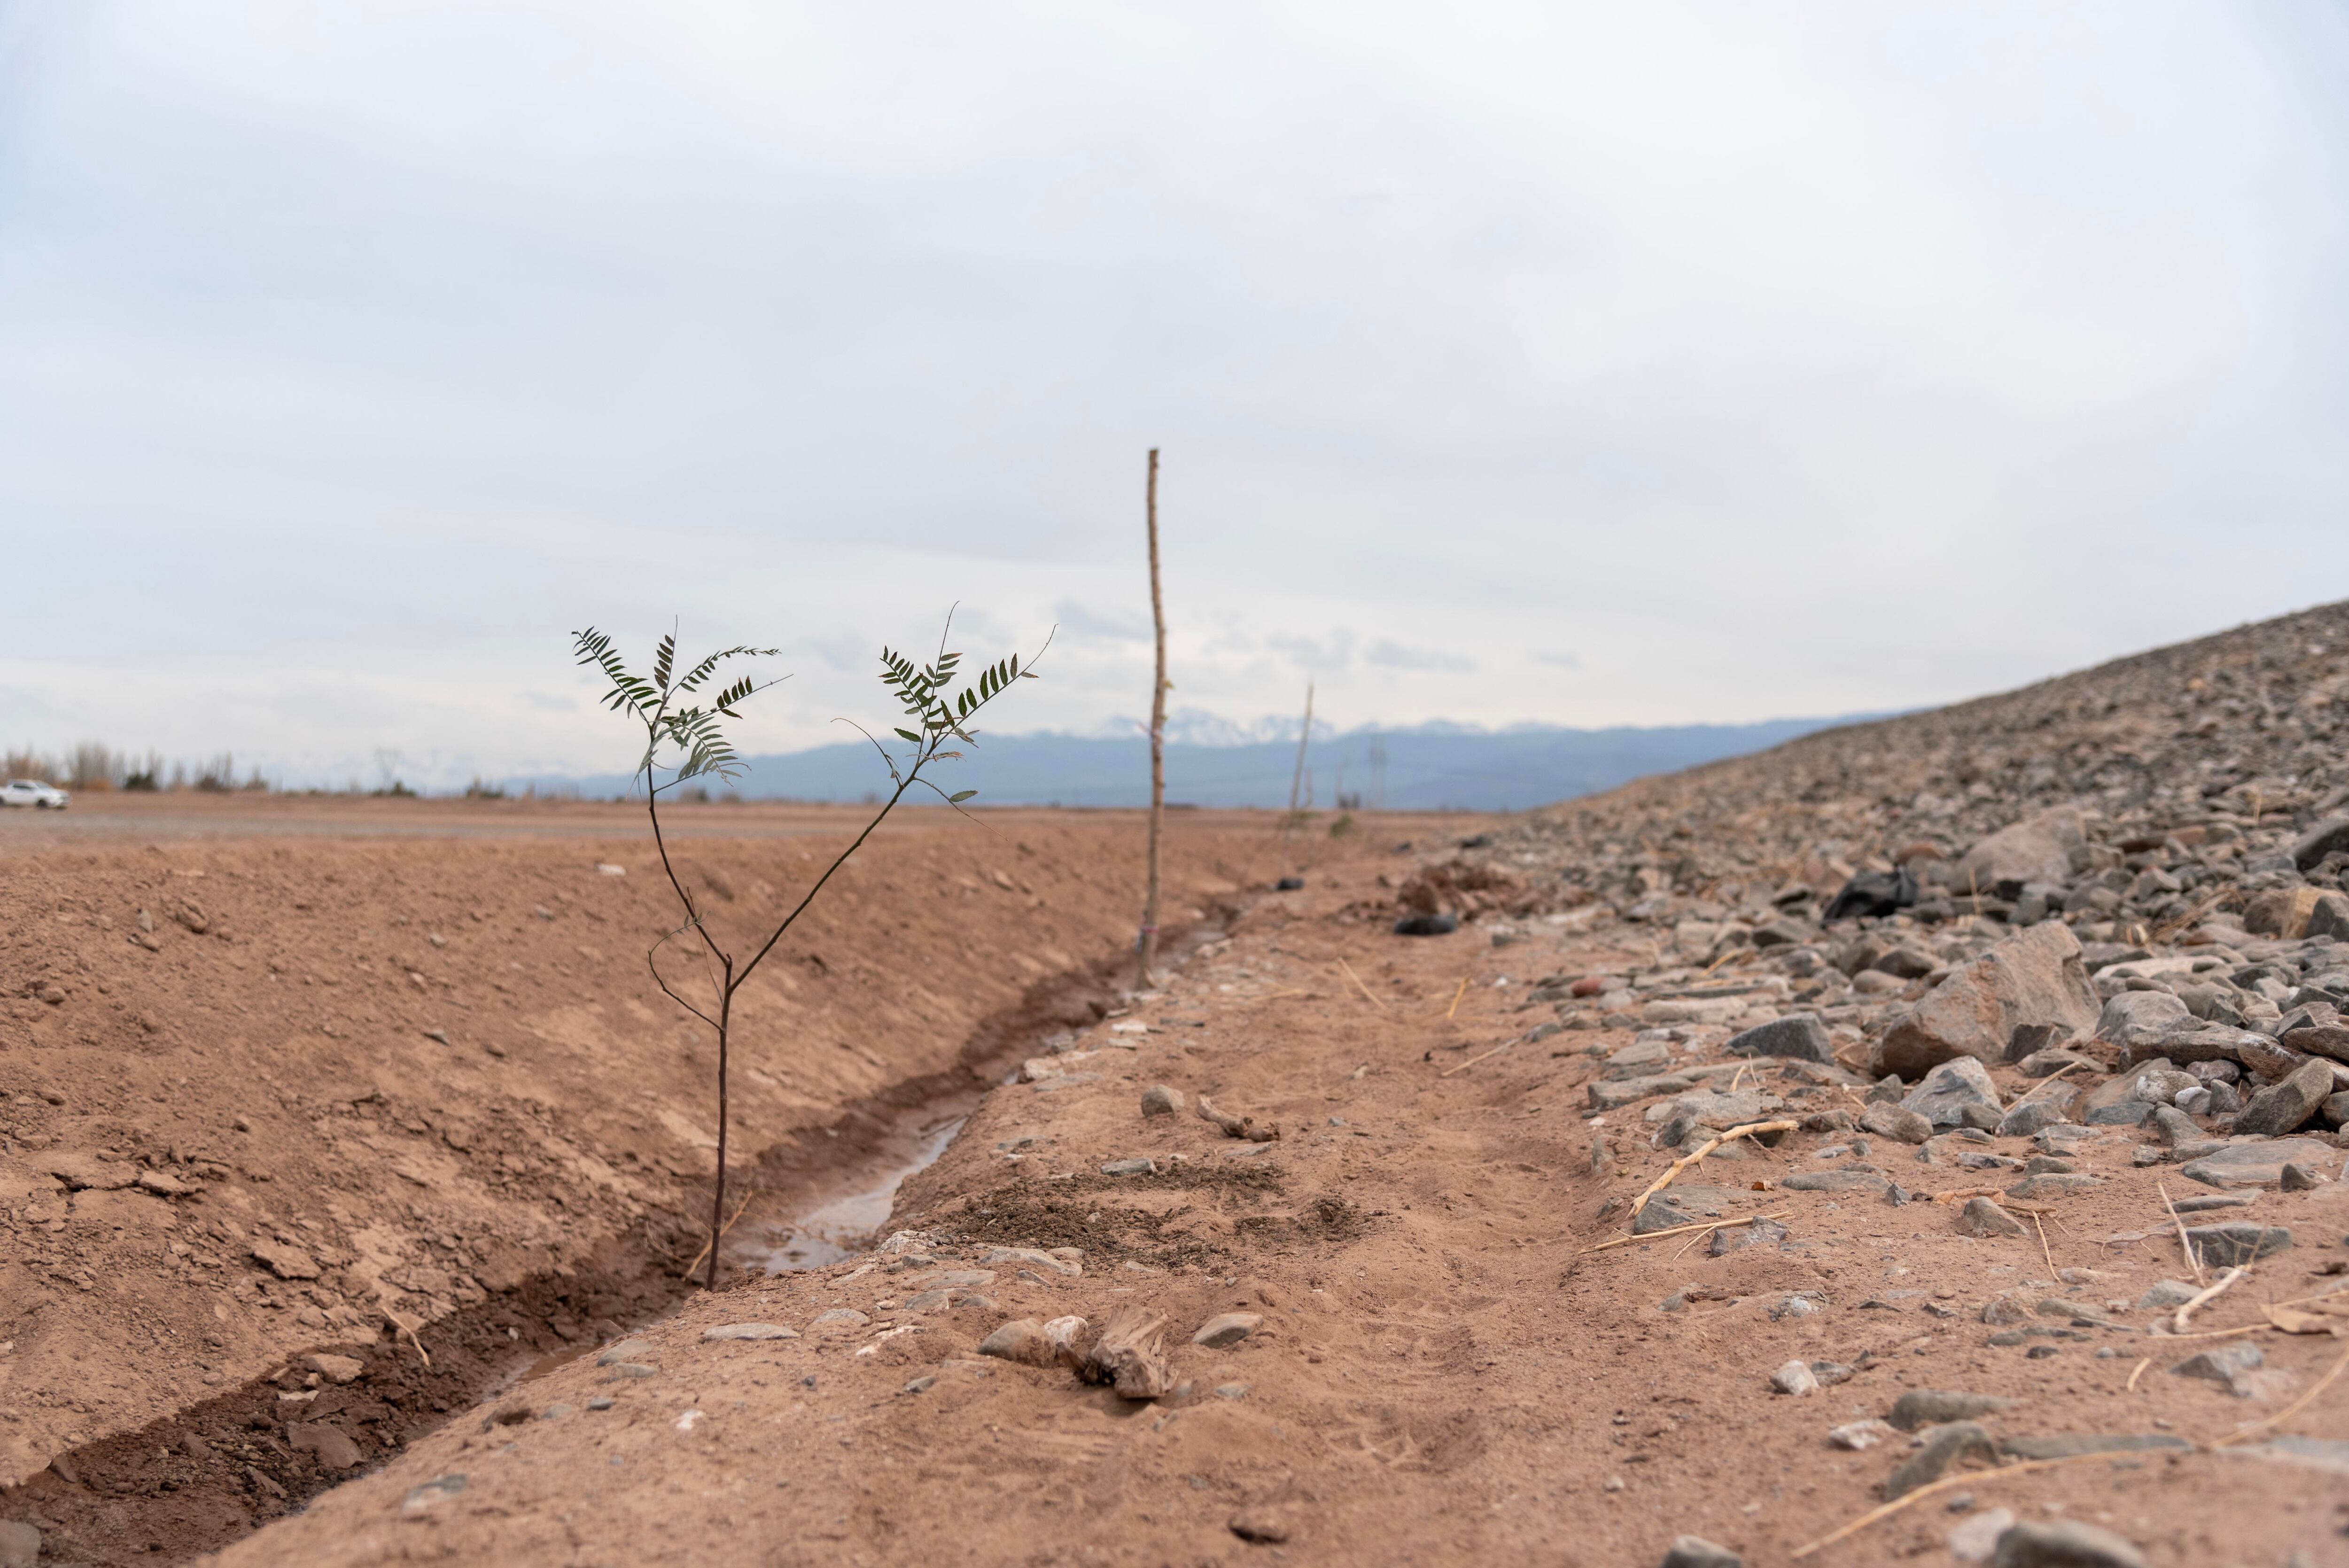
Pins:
x,y
683,714
1147,947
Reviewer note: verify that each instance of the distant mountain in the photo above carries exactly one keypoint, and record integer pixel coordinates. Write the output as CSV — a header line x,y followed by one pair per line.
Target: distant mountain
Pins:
x,y
1425,767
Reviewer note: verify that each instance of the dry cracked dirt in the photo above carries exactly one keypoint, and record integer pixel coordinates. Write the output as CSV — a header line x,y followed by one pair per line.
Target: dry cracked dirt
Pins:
x,y
1917,1143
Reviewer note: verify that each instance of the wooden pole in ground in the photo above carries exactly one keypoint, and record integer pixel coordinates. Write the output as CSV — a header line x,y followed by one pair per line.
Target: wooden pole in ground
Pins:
x,y
1149,944
1297,779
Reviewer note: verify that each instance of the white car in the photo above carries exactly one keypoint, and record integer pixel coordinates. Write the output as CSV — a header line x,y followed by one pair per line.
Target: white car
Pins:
x,y
32,792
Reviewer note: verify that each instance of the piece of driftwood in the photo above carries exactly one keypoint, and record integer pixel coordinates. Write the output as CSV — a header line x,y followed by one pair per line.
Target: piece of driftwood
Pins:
x,y
1130,1355
1236,1126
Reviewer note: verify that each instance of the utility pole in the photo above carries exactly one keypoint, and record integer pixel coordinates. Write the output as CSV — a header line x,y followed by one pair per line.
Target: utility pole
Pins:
x,y
1297,779
1148,946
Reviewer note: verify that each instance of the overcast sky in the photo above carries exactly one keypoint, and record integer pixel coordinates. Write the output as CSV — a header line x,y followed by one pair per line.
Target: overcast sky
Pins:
x,y
1597,364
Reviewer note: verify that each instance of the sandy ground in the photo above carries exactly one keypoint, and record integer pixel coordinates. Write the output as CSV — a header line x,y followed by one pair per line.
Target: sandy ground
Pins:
x,y
263,1096
1447,1364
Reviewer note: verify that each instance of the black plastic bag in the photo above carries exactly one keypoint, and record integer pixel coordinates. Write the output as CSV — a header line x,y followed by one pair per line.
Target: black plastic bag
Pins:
x,y
1872,893
1427,924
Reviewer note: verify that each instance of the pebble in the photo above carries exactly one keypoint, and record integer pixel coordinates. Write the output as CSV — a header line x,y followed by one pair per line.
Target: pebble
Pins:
x,y
1226,1329
1947,1092
1859,1436
1794,1377
1982,1217
1024,1340
1757,1232
1977,1538
2063,1543
337,1369
839,1317
1231,1390
2228,1364
1141,1165
749,1331
1160,1099
1696,1552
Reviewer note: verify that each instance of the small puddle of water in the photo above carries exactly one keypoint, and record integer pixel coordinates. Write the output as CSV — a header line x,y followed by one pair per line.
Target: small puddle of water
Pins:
x,y
845,1217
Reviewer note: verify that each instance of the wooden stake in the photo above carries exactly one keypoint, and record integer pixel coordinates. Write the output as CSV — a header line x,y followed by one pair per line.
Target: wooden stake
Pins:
x,y
1297,779
1148,946
1455,1000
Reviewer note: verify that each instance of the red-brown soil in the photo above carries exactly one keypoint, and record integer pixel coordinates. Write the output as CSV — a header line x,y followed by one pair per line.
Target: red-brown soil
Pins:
x,y
277,1075
1446,1370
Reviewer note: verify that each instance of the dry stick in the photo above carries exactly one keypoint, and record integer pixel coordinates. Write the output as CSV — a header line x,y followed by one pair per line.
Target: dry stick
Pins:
x,y
2136,1372
1455,999
1968,1478
2240,1433
1148,945
1357,979
1472,1061
721,1232
2183,1244
2043,1242
1685,1160
1678,1230
2178,1322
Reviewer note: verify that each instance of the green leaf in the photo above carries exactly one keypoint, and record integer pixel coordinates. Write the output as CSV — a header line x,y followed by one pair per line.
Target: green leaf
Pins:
x,y
908,735
959,796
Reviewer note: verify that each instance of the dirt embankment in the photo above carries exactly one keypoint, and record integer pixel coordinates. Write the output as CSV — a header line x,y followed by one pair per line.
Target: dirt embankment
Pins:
x,y
1448,1347
260,1100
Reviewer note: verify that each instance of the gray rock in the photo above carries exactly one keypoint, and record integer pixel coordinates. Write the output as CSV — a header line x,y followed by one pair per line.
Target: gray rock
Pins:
x,y
840,1318
2070,1445
1982,1217
330,1443
1678,1206
2235,1166
2283,1106
625,1350
2173,1126
749,1331
1696,1552
2330,917
1946,1092
2229,1364
2165,1294
2143,1018
2224,1246
2063,1543
1226,1329
1605,1095
1023,1340
1896,1122
2121,1113
1943,1446
1737,1238
1794,1377
2298,1179
1799,1036
2331,834
2036,849
2033,977
2328,1455
2055,1059
2054,1184
2334,1111
1160,1099
2043,1108
20,1544
1141,1165
1846,1180
1933,1406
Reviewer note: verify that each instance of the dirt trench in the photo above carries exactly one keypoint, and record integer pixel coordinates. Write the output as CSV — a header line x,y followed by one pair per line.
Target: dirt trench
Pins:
x,y
537,1258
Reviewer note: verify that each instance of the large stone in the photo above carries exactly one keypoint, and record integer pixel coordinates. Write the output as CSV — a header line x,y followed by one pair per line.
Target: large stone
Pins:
x,y
2231,1365
2330,917
1896,1122
2033,977
1949,1088
20,1544
1943,1446
1983,1219
2036,849
2330,1040
2063,1543
2255,1164
2286,1104
2043,1108
2225,1246
2331,834
1696,1552
1846,1180
1797,1035
2143,1018
1023,1340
